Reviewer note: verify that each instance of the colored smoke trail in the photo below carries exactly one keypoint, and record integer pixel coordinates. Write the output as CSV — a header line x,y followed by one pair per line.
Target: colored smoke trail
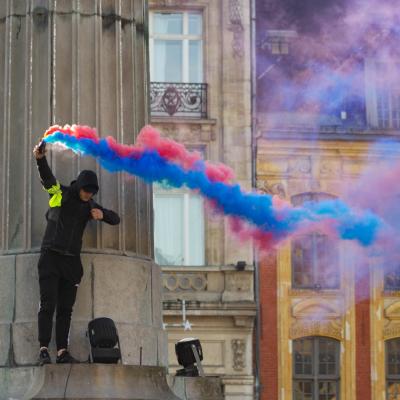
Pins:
x,y
260,216
337,47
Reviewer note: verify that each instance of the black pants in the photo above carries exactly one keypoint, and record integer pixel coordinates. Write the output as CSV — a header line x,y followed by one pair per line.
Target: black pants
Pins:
x,y
59,278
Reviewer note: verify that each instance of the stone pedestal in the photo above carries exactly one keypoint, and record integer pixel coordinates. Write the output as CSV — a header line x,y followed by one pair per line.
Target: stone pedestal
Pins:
x,y
126,289
85,381
82,62
199,388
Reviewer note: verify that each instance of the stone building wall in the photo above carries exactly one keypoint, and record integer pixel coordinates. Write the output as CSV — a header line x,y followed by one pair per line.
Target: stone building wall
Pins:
x,y
361,315
219,299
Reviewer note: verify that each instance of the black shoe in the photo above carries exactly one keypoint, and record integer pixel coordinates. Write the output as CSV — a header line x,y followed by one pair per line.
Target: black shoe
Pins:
x,y
44,357
66,358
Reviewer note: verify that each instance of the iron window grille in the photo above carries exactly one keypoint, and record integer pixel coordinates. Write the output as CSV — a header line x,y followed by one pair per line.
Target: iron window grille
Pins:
x,y
178,99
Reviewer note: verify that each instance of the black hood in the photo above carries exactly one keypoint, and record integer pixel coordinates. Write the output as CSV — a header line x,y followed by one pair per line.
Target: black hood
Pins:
x,y
86,178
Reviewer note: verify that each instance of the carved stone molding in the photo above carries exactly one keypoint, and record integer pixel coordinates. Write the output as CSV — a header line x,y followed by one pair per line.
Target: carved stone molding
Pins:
x,y
238,282
236,27
392,312
302,328
188,282
239,354
243,321
306,293
317,317
168,3
277,188
332,168
317,308
300,165
186,132
391,331
238,286
390,293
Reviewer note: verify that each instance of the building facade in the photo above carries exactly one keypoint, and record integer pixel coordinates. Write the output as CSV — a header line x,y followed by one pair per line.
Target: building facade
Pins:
x,y
329,310
200,74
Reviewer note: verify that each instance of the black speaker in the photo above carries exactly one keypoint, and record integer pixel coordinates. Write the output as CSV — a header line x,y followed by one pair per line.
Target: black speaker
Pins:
x,y
103,339
189,354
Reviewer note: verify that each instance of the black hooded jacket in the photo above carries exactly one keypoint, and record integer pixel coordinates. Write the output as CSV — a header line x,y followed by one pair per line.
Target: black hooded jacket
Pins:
x,y
67,217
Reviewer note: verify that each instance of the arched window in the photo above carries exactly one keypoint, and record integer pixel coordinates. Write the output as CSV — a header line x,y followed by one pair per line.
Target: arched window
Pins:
x,y
392,277
316,362
315,261
393,369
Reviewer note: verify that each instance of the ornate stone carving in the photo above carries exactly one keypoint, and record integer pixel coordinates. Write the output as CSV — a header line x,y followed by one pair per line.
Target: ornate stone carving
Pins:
x,y
316,293
392,312
302,328
273,189
236,26
187,133
390,293
316,308
317,317
392,330
168,3
300,165
238,282
331,167
186,282
239,354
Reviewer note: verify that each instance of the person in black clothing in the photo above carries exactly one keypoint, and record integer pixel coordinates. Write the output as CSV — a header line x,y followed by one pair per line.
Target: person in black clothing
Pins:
x,y
60,268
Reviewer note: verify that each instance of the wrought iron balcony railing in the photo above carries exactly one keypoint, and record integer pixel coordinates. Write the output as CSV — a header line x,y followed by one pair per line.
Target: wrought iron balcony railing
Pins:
x,y
178,99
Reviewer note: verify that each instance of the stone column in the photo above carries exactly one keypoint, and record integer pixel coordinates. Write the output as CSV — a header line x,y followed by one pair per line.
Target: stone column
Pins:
x,y
84,62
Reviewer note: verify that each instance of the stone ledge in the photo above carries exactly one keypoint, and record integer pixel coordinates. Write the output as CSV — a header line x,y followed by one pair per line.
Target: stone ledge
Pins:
x,y
199,388
85,381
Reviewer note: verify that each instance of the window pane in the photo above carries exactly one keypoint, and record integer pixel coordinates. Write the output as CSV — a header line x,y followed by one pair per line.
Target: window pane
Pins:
x,y
195,61
327,390
327,262
387,95
396,110
167,24
168,229
167,61
302,390
196,231
327,357
195,24
392,278
302,261
302,351
393,358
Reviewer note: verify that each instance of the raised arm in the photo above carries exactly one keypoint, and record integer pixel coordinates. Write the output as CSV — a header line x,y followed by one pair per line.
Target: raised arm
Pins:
x,y
46,176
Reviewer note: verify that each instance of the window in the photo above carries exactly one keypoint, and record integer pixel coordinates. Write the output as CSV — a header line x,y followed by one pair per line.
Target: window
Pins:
x,y
278,41
315,261
393,369
383,94
316,369
176,47
178,227
392,278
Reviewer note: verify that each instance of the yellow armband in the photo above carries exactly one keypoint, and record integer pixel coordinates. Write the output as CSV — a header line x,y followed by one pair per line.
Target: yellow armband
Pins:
x,y
56,192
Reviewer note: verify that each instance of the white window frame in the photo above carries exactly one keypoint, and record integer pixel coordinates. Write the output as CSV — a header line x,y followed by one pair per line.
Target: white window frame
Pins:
x,y
371,76
184,37
185,193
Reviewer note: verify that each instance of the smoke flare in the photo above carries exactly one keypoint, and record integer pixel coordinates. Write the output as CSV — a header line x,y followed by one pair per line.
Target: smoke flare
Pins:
x,y
260,216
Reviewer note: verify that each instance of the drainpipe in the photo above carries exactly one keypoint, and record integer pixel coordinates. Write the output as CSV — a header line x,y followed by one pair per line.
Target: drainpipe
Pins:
x,y
257,386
